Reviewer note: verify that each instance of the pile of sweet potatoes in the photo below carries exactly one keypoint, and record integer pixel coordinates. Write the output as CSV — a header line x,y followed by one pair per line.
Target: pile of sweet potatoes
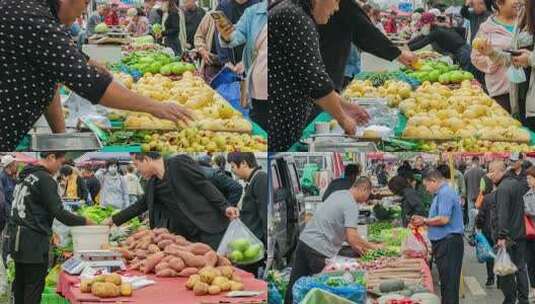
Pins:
x,y
167,255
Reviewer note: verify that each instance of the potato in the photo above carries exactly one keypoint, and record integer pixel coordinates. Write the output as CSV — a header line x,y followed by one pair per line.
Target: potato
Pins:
x,y
126,290
100,279
214,289
207,275
194,279
211,258
85,285
167,273
113,278
236,286
105,290
226,271
236,277
200,289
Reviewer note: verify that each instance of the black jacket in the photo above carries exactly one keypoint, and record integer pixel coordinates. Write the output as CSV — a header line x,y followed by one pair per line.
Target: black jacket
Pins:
x,y
411,204
475,20
447,39
36,204
195,195
171,26
510,208
253,212
337,185
486,219
231,189
93,186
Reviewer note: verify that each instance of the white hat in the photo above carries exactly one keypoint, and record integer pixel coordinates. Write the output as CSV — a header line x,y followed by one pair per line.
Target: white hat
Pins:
x,y
7,160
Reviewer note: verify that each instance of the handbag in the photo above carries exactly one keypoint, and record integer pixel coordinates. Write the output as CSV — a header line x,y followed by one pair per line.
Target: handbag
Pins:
x,y
530,227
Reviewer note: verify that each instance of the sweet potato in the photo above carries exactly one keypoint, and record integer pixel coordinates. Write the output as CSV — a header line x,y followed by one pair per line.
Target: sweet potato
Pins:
x,y
152,261
141,254
129,240
189,271
198,248
153,248
223,261
192,260
145,243
138,235
159,231
164,243
180,240
135,266
161,266
177,264
167,273
167,258
165,236
125,253
211,258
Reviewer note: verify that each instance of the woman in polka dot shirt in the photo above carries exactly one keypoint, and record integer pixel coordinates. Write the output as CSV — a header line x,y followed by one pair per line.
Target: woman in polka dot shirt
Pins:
x,y
37,55
297,78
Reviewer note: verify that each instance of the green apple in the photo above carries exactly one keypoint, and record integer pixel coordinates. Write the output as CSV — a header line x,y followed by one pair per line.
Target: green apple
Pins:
x,y
253,252
236,256
239,244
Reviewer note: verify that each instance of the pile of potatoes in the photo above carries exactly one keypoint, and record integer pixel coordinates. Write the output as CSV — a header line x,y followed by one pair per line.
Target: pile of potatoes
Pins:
x,y
214,280
106,286
168,255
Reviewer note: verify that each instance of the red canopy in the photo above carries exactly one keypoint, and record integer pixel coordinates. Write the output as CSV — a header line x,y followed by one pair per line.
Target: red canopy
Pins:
x,y
21,157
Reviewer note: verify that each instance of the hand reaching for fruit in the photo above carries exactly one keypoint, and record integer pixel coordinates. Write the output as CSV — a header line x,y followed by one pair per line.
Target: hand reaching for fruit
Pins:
x,y
408,58
356,112
172,112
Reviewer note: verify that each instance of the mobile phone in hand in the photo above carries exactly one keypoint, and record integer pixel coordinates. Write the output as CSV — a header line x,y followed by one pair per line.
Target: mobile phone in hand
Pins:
x,y
513,52
220,17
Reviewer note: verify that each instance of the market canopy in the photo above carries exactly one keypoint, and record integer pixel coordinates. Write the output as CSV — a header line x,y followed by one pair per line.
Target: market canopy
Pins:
x,y
25,158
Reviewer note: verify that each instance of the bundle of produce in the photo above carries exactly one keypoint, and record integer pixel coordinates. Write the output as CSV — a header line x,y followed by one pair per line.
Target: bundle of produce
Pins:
x,y
379,78
374,254
478,145
240,245
437,112
393,91
406,271
96,213
106,286
156,62
375,229
168,255
102,28
439,71
214,280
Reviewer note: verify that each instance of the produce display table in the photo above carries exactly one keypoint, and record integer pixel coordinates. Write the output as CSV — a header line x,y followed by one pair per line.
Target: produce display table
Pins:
x,y
166,290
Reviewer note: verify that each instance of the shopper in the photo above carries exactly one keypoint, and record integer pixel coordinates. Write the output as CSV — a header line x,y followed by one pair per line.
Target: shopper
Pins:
x,y
114,191
133,185
419,166
180,198
253,206
171,26
472,179
382,175
75,188
335,221
251,30
92,183
445,231
39,60
411,203
297,77
139,24
352,68
485,221
8,179
351,172
231,189
511,231
498,33
221,163
205,43
36,204
446,39
391,24
193,15
476,12
112,18
529,209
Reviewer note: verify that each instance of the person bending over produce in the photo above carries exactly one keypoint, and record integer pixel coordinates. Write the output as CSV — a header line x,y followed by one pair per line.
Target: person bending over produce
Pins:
x,y
411,202
445,230
180,198
40,55
36,203
231,189
335,221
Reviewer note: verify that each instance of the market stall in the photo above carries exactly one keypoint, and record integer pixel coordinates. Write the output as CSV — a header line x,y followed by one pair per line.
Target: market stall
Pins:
x,y
432,106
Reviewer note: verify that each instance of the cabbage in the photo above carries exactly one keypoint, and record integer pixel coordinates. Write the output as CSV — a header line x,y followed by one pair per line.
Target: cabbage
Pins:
x,y
101,28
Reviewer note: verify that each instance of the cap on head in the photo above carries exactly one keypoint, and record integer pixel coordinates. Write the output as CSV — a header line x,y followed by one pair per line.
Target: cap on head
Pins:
x,y
7,160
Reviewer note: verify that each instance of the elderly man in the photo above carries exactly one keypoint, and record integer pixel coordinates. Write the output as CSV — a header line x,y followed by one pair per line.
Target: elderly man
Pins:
x,y
510,230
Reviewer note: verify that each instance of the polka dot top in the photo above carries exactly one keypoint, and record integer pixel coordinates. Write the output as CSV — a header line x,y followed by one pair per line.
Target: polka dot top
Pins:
x,y
36,54
296,75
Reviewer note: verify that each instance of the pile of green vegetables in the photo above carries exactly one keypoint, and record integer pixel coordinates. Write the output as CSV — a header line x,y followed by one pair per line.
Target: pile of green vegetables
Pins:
x,y
386,214
128,137
156,63
375,229
379,78
96,213
373,255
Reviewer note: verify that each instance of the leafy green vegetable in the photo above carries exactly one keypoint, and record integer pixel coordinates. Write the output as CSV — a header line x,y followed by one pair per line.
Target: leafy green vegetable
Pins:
x,y
96,213
373,255
10,271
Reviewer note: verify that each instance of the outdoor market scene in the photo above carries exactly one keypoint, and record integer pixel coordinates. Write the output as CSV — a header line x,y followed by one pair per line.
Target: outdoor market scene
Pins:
x,y
156,76
138,228
401,228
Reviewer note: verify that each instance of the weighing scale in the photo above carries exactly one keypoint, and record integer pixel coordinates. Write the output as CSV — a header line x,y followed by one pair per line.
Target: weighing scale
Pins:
x,y
107,260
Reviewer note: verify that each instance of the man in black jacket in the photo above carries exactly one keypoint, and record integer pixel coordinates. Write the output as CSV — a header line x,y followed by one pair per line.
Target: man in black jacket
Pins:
x,y
180,198
253,206
36,203
511,230
231,189
352,171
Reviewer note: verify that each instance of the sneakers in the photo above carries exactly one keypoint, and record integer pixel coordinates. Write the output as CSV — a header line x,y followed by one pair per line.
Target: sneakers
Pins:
x,y
490,282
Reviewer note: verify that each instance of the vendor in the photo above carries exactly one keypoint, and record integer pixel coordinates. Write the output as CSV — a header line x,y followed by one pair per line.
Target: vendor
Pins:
x,y
411,202
253,206
39,56
445,231
447,39
180,198
351,172
335,221
36,204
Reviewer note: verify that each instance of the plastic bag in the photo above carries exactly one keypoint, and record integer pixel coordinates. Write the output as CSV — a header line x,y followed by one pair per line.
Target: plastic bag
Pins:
x,y
340,263
516,75
318,296
503,264
63,233
240,245
353,292
415,246
484,251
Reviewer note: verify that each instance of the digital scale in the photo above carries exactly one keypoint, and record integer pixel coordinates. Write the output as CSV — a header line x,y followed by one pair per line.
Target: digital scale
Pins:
x,y
107,260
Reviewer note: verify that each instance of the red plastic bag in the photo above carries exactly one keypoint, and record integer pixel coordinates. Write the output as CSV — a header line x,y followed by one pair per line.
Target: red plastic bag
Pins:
x,y
415,246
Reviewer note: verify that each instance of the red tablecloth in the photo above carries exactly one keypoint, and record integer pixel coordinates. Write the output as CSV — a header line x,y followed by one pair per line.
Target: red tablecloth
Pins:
x,y
166,290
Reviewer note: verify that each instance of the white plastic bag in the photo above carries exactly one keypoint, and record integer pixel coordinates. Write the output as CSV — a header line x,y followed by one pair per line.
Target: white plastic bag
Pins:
x,y
503,265
240,245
